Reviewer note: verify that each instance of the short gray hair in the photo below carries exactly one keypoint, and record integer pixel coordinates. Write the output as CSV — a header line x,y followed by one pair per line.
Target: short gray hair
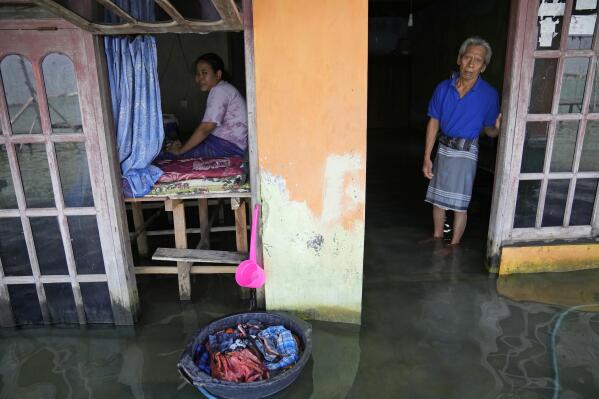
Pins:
x,y
477,41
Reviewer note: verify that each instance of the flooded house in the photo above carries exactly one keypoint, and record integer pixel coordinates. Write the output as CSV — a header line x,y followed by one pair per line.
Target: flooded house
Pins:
x,y
331,87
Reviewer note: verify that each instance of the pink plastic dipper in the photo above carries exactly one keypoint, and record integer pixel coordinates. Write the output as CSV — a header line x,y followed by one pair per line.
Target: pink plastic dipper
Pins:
x,y
249,273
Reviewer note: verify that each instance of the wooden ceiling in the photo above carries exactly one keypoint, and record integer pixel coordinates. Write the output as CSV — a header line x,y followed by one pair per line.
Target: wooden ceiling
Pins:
x,y
228,17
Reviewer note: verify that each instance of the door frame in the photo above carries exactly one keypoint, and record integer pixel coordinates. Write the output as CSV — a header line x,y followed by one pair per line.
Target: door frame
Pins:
x,y
521,56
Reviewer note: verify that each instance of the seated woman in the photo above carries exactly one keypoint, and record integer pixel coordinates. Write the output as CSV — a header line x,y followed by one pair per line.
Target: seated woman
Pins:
x,y
223,131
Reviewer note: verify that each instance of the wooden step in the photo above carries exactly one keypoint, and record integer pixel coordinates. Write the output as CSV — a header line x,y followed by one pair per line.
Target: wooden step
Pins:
x,y
199,255
202,269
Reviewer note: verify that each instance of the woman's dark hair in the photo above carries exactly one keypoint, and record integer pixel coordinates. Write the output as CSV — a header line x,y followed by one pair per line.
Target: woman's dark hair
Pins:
x,y
215,62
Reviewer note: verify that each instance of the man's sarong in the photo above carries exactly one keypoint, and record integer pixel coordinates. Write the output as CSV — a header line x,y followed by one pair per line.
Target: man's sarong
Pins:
x,y
453,176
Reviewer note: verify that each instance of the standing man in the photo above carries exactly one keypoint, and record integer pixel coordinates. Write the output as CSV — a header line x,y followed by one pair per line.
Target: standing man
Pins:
x,y
462,107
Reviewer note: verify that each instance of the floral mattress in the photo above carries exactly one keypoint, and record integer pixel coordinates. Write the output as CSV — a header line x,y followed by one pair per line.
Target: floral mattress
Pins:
x,y
201,176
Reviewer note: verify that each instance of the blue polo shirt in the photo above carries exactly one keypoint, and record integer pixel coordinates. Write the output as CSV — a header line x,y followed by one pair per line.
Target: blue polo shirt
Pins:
x,y
464,117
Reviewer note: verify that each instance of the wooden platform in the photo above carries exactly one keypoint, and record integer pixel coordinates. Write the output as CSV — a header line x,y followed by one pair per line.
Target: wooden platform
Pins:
x,y
183,255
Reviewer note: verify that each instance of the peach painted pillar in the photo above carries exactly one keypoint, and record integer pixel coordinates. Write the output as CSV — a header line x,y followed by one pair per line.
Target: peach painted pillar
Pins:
x,y
311,79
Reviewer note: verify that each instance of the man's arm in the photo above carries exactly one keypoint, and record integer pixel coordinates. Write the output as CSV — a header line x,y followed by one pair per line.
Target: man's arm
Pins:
x,y
432,128
199,135
493,131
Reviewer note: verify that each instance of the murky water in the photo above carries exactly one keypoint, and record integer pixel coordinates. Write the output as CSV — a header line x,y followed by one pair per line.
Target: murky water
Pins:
x,y
458,336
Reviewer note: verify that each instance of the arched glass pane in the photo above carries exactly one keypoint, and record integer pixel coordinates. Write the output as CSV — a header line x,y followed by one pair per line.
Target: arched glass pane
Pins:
x,y
19,88
62,95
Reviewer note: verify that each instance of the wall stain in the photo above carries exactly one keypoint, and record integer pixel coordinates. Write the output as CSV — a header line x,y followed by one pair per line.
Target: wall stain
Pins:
x,y
315,243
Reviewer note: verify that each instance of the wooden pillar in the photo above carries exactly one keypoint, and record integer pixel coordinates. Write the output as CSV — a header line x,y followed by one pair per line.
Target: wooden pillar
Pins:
x,y
183,268
204,223
241,234
138,223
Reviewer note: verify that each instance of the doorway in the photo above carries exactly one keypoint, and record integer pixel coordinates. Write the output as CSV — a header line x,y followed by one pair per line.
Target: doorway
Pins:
x,y
413,46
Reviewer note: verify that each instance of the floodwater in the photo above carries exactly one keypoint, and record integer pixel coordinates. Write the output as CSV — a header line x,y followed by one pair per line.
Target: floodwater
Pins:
x,y
434,323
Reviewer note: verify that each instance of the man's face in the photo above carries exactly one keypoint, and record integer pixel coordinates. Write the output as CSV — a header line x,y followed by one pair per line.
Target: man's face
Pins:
x,y
472,62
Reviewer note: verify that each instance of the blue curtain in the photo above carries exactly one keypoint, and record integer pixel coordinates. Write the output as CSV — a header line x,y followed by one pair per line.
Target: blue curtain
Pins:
x,y
136,106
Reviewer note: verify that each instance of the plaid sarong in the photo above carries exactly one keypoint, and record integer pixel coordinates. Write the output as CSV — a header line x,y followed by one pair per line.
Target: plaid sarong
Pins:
x,y
454,171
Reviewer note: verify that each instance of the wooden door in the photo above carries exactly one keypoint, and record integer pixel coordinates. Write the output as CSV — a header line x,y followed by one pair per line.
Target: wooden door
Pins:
x,y
548,163
63,252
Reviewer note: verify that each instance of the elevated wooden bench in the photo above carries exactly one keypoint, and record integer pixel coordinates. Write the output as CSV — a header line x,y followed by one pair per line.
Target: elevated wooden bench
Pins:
x,y
176,205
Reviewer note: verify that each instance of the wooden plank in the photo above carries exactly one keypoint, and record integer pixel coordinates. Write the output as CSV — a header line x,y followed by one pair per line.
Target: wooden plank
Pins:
x,y
159,203
198,255
41,212
82,278
140,227
229,13
222,269
189,230
55,138
228,194
36,24
205,224
9,213
183,268
550,233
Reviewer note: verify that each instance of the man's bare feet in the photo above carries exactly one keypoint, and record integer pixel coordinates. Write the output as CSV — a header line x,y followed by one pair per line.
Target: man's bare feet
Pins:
x,y
429,240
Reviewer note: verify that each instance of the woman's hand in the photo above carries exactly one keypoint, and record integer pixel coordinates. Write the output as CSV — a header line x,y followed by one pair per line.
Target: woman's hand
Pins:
x,y
174,147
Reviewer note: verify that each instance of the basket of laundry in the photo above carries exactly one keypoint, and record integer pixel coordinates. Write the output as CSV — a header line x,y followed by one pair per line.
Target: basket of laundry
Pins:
x,y
247,355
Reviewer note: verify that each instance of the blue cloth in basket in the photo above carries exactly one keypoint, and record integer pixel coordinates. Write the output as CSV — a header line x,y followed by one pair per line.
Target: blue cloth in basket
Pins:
x,y
278,347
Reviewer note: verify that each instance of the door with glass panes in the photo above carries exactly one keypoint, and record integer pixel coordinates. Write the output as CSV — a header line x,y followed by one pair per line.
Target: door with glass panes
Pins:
x,y
61,257
550,153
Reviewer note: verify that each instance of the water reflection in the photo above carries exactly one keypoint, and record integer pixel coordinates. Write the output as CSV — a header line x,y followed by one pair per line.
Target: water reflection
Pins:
x,y
450,334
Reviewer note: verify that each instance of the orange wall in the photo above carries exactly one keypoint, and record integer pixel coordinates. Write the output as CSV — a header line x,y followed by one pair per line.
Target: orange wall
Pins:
x,y
311,61
311,81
